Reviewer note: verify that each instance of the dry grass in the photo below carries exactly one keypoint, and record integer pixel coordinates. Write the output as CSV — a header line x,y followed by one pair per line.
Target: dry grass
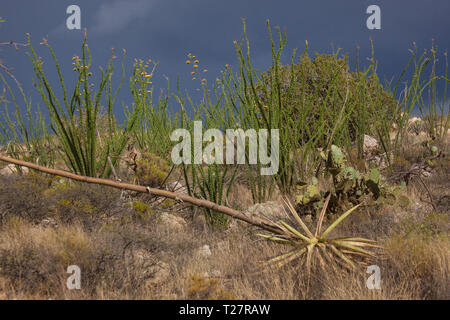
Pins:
x,y
126,251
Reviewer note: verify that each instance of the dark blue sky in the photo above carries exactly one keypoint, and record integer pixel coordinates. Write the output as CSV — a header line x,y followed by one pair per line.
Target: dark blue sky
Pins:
x,y
166,30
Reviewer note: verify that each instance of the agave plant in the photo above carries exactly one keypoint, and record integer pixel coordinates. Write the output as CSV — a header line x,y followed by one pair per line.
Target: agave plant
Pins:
x,y
308,246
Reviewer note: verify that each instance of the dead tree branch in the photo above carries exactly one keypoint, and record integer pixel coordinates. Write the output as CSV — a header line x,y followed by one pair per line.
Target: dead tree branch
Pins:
x,y
258,222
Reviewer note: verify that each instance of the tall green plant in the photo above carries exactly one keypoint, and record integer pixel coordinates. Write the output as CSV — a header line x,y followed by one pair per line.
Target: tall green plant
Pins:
x,y
313,104
419,92
212,181
156,122
76,122
25,135
435,114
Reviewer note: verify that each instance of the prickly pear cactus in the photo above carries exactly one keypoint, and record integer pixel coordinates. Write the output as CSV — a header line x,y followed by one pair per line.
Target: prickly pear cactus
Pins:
x,y
348,185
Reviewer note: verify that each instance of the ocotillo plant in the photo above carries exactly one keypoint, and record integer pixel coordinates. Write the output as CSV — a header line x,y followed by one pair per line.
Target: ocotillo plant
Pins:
x,y
76,122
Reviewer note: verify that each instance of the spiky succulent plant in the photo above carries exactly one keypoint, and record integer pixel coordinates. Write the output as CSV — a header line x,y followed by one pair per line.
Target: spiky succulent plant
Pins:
x,y
307,246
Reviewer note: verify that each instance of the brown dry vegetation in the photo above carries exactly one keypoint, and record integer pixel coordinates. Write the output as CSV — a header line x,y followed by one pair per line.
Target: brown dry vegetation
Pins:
x,y
127,250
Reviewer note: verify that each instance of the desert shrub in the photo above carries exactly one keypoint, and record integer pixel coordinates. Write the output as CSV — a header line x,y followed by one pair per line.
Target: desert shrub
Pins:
x,y
43,196
87,205
34,259
31,204
312,80
207,289
151,170
141,214
432,224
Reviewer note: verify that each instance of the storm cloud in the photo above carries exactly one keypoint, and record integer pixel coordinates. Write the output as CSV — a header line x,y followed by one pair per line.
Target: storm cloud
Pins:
x,y
167,30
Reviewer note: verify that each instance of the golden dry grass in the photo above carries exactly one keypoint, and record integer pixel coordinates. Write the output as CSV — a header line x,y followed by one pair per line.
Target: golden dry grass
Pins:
x,y
126,254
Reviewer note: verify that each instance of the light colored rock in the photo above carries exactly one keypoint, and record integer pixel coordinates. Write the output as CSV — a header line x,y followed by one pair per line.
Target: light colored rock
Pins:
x,y
11,169
370,145
371,149
49,222
271,210
204,251
211,274
416,126
447,137
216,274
172,222
159,272
414,120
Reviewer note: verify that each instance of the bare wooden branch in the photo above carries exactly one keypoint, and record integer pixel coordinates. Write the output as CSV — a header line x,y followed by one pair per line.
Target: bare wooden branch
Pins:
x,y
259,222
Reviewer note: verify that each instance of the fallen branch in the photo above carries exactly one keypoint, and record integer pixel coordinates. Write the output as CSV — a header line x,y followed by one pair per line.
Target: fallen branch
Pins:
x,y
261,223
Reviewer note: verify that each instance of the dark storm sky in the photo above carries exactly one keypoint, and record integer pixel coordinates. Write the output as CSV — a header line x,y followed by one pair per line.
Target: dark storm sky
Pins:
x,y
167,30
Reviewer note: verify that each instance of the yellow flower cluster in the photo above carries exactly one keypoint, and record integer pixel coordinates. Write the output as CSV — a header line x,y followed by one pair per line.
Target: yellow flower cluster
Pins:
x,y
143,77
195,65
81,68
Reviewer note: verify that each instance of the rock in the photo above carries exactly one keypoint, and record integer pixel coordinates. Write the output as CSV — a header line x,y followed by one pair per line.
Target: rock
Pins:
x,y
212,274
156,272
426,171
204,252
172,222
414,120
370,145
159,272
216,274
371,151
49,222
270,210
447,137
426,174
11,169
176,187
416,126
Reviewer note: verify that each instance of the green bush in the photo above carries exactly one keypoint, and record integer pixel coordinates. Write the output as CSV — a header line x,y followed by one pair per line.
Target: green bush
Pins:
x,y
317,83
151,170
